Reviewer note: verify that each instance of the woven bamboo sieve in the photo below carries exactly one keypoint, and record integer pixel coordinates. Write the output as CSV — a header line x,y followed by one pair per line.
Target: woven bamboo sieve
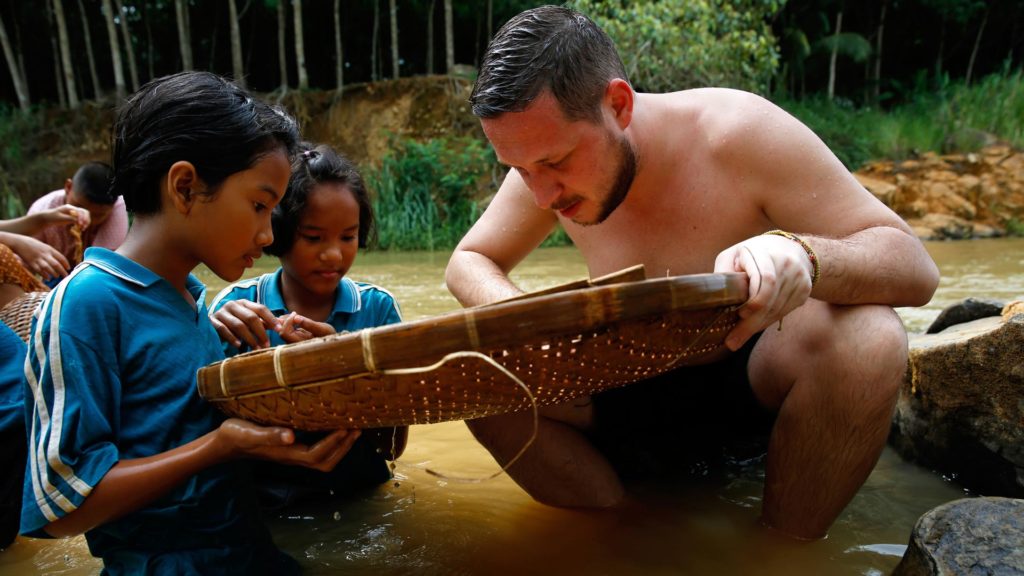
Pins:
x,y
17,314
562,345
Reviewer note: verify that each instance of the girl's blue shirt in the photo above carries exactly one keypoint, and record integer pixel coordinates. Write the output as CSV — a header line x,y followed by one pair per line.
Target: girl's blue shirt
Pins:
x,y
12,370
113,357
357,305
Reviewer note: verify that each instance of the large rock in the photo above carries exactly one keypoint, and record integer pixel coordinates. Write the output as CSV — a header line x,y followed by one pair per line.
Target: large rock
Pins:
x,y
969,536
961,405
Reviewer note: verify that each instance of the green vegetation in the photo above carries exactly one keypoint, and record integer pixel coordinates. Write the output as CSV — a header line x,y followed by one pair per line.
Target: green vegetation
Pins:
x,y
675,44
955,118
424,193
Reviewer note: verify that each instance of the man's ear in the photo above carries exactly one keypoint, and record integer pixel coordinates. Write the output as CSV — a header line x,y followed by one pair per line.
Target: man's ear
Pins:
x,y
619,96
182,185
67,188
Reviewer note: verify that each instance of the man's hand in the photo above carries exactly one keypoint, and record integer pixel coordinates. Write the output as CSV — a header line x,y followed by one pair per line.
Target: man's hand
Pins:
x,y
779,273
238,438
241,321
40,258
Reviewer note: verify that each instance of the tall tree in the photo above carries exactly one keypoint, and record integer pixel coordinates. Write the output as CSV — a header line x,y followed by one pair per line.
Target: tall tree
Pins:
x,y
282,56
339,61
115,51
236,45
129,46
977,43
184,34
300,48
876,87
57,71
12,64
65,54
394,38
430,37
374,71
88,52
149,39
832,57
449,38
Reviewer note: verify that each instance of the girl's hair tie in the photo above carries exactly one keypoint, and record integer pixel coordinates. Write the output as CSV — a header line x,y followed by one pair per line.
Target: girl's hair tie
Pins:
x,y
309,155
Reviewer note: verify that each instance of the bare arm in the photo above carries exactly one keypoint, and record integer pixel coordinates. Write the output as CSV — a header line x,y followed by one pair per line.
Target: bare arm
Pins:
x,y
39,257
867,254
132,484
35,222
510,228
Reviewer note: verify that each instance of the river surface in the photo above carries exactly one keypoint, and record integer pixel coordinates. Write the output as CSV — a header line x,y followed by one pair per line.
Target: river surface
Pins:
x,y
699,524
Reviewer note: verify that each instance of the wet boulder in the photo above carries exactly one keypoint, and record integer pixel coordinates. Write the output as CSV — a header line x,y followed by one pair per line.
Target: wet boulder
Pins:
x,y
968,536
961,405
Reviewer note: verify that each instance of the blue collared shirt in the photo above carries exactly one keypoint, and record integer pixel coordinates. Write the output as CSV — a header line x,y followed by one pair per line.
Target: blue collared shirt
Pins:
x,y
357,305
12,369
113,357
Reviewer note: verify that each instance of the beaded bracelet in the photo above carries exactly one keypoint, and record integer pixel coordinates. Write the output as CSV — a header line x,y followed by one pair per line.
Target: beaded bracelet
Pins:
x,y
815,265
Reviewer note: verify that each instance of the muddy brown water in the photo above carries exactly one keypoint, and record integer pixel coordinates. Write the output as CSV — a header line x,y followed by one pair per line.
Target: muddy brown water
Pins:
x,y
693,525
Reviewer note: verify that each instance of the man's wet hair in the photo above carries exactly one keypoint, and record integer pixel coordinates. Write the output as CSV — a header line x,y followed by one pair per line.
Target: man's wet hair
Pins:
x,y
198,117
311,167
547,48
92,181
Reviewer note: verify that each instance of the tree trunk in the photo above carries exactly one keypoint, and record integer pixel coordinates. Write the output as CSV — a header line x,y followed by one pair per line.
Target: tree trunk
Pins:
x,y
58,75
942,48
394,39
236,45
339,62
129,46
449,38
21,59
149,40
93,77
300,49
430,38
12,65
115,51
65,54
876,89
282,54
374,75
977,42
832,59
184,35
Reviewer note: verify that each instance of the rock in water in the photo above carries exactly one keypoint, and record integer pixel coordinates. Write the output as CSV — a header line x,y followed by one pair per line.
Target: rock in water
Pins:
x,y
969,536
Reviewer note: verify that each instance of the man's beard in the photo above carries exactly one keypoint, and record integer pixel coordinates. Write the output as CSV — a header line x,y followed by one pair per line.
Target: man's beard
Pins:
x,y
624,176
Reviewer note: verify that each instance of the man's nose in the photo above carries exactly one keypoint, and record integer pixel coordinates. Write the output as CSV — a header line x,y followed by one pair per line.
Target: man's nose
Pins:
x,y
546,190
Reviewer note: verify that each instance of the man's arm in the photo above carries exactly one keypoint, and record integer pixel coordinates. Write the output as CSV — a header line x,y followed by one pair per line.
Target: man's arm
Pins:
x,y
866,253
510,228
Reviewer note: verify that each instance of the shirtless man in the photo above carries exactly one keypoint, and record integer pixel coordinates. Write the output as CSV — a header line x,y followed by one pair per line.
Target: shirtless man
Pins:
x,y
690,182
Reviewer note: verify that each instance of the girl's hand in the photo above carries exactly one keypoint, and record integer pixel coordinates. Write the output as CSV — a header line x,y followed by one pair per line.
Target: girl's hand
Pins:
x,y
40,258
296,328
241,439
241,321
66,215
